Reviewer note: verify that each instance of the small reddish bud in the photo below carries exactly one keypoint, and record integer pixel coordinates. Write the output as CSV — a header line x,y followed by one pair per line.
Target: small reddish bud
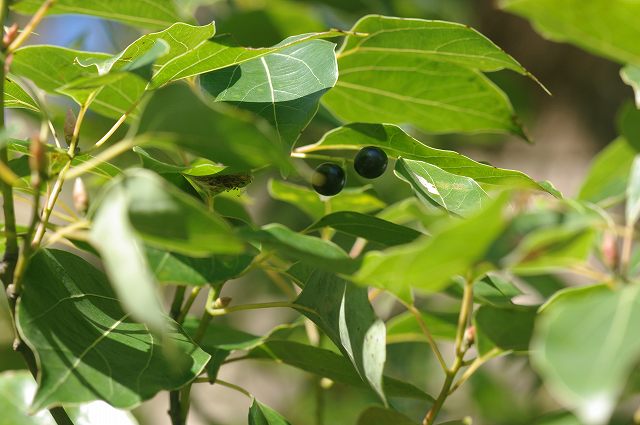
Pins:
x,y
80,196
470,335
69,125
37,161
9,35
609,250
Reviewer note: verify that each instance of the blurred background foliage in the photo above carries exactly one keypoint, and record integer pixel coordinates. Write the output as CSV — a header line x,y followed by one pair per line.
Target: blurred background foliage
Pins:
x,y
568,128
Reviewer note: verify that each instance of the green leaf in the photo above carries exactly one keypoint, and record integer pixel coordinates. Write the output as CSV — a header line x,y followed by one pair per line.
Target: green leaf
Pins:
x,y
368,227
451,251
176,114
141,206
16,97
382,416
259,414
553,248
505,328
309,249
50,68
632,211
495,290
609,173
72,320
600,326
140,13
343,312
397,143
283,87
18,388
425,73
330,365
350,199
405,328
175,269
602,27
434,186
630,74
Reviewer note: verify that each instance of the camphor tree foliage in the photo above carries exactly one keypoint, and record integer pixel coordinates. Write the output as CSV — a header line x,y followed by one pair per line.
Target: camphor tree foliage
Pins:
x,y
206,117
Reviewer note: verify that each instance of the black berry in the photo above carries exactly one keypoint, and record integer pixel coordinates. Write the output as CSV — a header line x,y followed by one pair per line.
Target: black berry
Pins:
x,y
370,162
328,179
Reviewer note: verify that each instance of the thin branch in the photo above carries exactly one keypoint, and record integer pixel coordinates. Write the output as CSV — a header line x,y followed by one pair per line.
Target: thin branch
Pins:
x,y
473,367
30,27
425,330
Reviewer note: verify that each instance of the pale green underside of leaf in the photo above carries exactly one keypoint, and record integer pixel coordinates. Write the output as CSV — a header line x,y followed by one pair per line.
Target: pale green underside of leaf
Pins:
x,y
17,389
142,13
429,263
424,73
72,320
397,143
344,314
631,75
632,210
605,27
16,97
601,326
455,194
283,87
304,198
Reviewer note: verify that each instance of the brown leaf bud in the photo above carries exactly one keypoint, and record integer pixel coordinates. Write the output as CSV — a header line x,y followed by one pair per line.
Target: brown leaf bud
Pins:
x,y
37,161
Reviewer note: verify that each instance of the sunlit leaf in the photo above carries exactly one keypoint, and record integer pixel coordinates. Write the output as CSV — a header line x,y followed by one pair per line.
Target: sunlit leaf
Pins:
x,y
425,73
631,75
397,143
432,185
16,97
602,27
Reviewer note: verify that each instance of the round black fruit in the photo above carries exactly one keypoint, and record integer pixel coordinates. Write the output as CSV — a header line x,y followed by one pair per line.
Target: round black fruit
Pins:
x,y
328,179
370,162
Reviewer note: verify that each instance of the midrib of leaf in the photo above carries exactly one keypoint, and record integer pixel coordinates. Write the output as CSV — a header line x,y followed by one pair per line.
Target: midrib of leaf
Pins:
x,y
273,96
410,99
78,360
71,298
359,46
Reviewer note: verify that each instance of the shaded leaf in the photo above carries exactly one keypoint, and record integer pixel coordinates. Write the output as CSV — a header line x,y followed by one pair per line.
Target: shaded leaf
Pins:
x,y
505,328
177,115
382,416
425,73
350,199
434,186
18,389
368,227
343,312
602,27
330,365
309,249
176,269
141,13
600,325
72,320
405,328
449,252
283,87
397,143
259,414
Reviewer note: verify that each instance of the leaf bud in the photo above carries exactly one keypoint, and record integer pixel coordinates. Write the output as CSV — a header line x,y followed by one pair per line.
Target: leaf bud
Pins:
x,y
609,250
69,125
222,302
10,34
80,196
37,161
